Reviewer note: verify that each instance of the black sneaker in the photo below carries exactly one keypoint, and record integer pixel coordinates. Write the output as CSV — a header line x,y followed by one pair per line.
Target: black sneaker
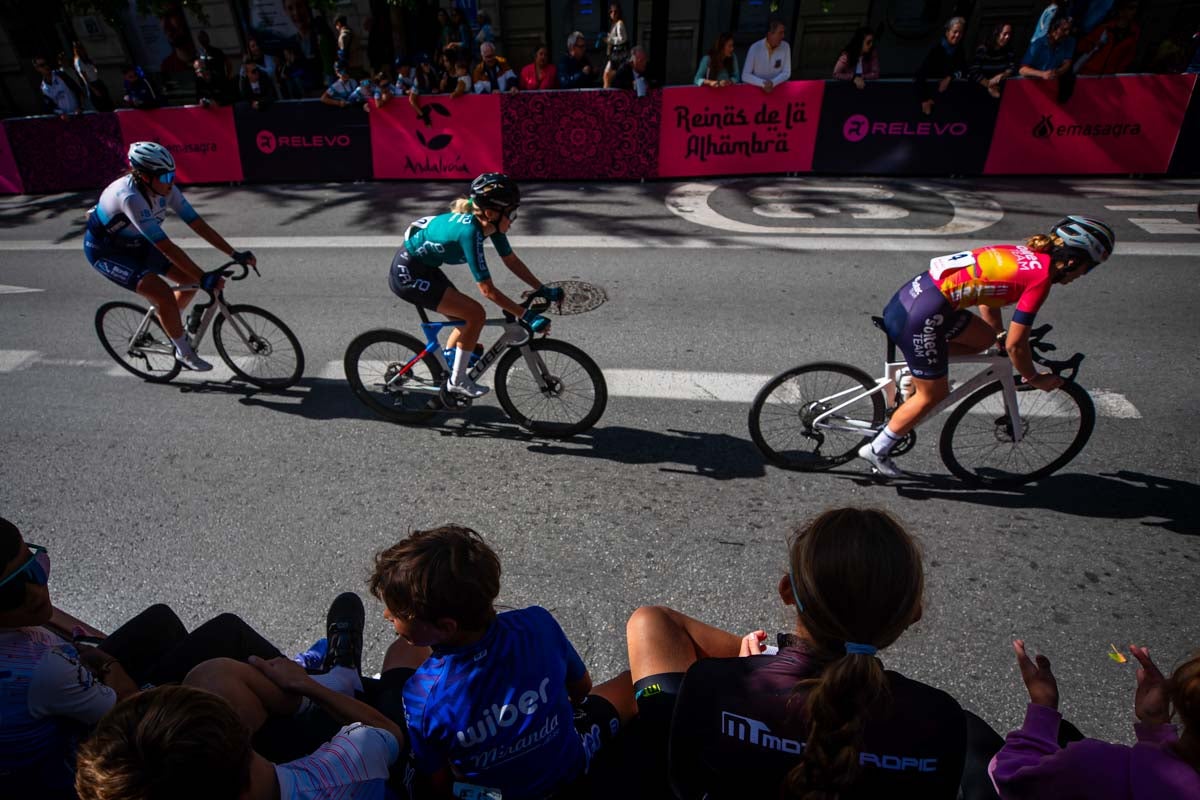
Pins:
x,y
344,629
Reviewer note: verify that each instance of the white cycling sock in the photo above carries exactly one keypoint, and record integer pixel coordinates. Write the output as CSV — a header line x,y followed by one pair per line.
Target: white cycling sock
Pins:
x,y
459,371
342,680
882,444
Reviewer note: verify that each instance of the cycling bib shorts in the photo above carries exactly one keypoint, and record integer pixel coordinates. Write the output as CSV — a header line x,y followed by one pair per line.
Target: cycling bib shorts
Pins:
x,y
415,282
124,265
920,320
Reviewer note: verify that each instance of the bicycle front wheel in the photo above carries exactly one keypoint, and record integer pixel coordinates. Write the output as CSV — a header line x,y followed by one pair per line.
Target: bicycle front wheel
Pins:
x,y
146,353
790,421
373,362
258,347
977,441
551,388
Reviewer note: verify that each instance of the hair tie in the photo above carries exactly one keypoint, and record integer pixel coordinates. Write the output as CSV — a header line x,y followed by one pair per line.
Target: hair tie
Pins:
x,y
856,649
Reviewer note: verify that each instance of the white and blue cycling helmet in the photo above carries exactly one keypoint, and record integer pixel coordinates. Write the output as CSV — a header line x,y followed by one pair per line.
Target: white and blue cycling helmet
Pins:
x,y
1086,235
151,158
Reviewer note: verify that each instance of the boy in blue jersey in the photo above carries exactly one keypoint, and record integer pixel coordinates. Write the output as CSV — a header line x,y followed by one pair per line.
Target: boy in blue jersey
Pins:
x,y
503,703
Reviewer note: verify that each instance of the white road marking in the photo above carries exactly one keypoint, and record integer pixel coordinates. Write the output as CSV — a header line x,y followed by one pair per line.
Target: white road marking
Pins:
x,y
971,213
648,384
1166,225
790,201
17,289
1158,189
849,243
1151,207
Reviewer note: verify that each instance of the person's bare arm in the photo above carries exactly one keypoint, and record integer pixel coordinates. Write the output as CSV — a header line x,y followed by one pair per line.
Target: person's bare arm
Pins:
x,y
66,625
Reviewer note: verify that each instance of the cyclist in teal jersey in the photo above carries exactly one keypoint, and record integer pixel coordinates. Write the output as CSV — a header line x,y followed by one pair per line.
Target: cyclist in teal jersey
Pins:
x,y
457,238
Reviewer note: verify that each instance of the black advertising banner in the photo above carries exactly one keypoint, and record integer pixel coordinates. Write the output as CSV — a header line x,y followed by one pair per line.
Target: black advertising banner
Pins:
x,y
881,129
303,141
1186,158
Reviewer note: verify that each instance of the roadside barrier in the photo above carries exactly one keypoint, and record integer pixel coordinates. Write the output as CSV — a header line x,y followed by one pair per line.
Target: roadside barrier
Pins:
x,y
1129,124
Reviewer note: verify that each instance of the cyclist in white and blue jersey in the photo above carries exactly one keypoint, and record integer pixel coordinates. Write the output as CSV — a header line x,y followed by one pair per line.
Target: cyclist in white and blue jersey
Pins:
x,y
457,238
125,241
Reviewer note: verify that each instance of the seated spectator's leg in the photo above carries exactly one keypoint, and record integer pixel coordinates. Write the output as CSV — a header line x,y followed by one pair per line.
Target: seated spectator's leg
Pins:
x,y
399,663
618,692
143,641
254,696
982,743
662,645
223,636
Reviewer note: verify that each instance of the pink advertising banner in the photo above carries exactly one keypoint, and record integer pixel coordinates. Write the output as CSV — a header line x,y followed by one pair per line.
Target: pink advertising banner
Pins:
x,y
1108,125
10,178
448,138
739,129
203,140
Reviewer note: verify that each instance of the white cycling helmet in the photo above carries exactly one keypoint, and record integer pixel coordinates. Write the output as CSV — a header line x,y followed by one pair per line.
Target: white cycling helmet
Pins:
x,y
1088,235
151,158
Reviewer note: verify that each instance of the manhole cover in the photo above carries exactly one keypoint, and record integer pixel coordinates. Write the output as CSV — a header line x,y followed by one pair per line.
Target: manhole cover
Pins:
x,y
579,297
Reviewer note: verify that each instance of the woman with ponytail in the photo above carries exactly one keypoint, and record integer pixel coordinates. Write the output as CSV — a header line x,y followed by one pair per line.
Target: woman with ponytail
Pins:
x,y
1164,764
817,717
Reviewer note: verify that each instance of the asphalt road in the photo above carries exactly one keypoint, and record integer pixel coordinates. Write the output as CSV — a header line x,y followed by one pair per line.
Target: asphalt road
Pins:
x,y
214,497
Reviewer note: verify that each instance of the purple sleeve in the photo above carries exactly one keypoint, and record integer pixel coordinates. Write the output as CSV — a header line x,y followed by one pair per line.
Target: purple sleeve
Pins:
x,y
1032,765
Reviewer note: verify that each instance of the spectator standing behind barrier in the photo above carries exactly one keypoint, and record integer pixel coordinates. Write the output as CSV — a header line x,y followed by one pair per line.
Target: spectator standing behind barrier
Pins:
x,y
943,63
218,62
342,92
859,61
57,93
492,73
490,683
446,36
101,99
462,32
485,34
1086,15
383,92
632,74
1162,765
719,67
575,71
855,583
345,40
995,61
769,60
74,81
256,87
617,41
1047,16
1110,48
541,74
1050,57
255,53
139,92
462,77
292,74
211,89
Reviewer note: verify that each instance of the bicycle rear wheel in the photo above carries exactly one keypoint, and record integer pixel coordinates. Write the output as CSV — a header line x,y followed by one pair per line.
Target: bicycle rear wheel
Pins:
x,y
269,356
563,394
372,362
149,355
977,440
783,413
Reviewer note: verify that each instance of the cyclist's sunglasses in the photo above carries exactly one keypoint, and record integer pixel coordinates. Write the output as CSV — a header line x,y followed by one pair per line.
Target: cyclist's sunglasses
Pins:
x,y
167,177
35,570
511,213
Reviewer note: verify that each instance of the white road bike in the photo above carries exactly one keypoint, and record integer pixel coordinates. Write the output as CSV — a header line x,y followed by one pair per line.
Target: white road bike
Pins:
x,y
1000,432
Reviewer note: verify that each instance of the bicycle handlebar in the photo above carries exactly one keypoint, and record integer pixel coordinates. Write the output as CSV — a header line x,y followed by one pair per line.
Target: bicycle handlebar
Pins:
x,y
1066,368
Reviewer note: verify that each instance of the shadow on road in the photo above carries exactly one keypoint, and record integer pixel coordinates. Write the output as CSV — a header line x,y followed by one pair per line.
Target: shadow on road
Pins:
x,y
1157,502
710,455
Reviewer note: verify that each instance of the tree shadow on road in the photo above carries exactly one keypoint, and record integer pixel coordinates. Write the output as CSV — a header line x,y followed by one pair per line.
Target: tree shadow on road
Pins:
x,y
1155,501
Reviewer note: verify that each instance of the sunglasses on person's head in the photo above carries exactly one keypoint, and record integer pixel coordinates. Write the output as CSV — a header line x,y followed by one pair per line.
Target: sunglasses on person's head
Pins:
x,y
35,570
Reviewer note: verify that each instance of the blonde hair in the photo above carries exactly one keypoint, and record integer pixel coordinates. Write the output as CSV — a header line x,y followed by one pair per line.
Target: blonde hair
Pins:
x,y
463,205
1043,242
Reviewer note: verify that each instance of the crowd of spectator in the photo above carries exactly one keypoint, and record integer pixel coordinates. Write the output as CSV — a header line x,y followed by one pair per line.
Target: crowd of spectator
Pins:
x,y
501,704
1069,38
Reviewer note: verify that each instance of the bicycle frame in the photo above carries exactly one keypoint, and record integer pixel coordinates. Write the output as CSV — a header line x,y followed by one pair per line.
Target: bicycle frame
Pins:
x,y
514,336
998,369
211,308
